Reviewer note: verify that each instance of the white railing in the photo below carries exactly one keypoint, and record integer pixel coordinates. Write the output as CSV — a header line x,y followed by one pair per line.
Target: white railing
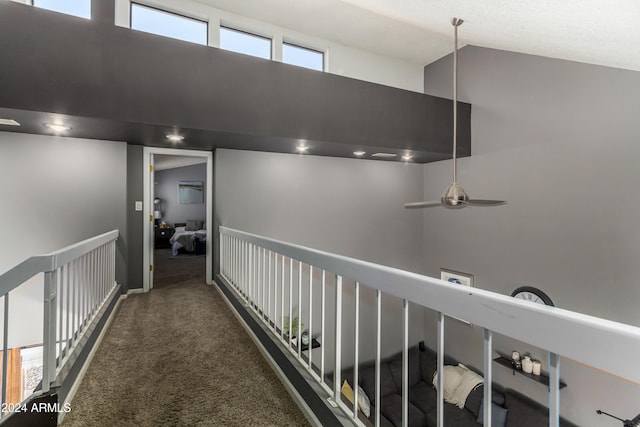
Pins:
x,y
261,271
77,281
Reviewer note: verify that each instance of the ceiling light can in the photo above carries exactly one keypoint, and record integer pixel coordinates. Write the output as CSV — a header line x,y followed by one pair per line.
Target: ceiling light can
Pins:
x,y
175,138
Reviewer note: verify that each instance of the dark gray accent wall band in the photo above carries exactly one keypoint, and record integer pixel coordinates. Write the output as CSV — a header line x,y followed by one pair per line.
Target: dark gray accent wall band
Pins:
x,y
77,67
134,218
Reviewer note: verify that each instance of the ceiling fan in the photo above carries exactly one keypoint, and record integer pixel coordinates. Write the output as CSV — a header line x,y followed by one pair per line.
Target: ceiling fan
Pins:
x,y
455,197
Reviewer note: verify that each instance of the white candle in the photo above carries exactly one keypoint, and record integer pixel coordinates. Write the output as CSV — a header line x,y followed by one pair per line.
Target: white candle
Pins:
x,y
536,367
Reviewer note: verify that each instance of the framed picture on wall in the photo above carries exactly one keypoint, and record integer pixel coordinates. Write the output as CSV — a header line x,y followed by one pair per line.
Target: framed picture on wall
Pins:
x,y
190,192
458,279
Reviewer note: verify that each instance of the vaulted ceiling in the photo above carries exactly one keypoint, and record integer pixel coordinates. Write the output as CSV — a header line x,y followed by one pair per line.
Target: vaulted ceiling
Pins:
x,y
591,31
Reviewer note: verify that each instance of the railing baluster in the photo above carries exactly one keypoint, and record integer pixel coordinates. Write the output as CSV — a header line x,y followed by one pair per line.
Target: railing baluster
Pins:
x,y
5,350
356,350
49,329
282,302
74,300
310,360
290,300
405,363
440,363
92,282
269,292
264,282
299,309
61,313
378,348
246,266
68,337
251,275
274,314
103,272
323,303
554,390
83,289
488,375
338,340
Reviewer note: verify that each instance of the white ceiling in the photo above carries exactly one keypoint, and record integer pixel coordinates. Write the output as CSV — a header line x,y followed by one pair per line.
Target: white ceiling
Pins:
x,y
604,32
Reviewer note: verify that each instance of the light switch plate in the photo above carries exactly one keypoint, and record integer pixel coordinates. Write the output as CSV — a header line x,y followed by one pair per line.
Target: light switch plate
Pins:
x,y
138,206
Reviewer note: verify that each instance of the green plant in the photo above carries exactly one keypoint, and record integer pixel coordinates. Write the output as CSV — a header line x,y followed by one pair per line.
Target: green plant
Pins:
x,y
294,326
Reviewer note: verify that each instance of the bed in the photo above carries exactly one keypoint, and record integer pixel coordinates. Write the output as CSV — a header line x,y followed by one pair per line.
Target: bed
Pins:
x,y
189,237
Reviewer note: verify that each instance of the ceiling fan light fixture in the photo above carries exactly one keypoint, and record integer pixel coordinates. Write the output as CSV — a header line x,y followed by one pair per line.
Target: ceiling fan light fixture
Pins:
x,y
454,196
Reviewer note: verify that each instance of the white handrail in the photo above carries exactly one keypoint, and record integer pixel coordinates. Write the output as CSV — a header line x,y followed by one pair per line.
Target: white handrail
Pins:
x,y
563,332
13,278
78,281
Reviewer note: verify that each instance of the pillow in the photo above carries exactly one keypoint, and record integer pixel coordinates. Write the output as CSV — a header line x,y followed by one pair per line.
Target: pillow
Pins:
x,y
364,405
180,229
498,415
194,224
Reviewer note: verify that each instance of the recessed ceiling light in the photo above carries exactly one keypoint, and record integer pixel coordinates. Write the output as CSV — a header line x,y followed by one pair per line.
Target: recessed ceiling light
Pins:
x,y
359,153
407,157
9,122
175,138
384,155
302,148
56,127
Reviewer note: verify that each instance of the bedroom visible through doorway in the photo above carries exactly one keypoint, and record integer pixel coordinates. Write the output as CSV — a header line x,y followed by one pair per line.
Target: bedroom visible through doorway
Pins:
x,y
178,213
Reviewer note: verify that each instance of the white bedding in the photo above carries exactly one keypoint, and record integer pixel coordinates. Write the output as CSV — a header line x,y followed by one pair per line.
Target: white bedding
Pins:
x,y
186,239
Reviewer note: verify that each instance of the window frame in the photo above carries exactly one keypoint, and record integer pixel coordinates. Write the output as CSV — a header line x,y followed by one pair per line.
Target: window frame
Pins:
x,y
303,47
170,12
223,26
32,3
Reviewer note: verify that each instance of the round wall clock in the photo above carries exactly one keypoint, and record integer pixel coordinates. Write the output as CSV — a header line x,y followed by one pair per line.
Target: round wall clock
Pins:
x,y
529,293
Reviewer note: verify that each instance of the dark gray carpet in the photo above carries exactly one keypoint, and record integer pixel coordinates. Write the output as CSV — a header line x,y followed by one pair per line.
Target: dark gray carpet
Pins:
x,y
178,357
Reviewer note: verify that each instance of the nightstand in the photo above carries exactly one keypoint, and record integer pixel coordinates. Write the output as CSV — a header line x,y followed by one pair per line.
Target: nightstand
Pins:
x,y
162,236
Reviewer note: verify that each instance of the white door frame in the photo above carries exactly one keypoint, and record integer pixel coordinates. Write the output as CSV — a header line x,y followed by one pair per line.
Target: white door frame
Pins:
x,y
147,211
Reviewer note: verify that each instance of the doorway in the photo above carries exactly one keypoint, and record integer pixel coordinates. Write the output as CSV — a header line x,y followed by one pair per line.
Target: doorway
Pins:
x,y
161,218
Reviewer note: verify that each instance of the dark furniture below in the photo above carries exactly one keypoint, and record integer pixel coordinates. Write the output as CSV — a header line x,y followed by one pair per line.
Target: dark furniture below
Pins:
x,y
162,236
520,411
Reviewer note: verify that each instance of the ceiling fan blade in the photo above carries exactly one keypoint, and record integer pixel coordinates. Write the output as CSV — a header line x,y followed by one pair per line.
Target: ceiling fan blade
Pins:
x,y
417,205
480,202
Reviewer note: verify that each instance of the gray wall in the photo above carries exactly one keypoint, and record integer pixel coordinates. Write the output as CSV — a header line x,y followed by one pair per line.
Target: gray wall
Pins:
x,y
351,207
57,191
559,141
166,188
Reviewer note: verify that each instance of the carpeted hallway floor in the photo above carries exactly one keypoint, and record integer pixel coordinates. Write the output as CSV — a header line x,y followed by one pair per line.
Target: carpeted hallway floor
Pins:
x,y
177,356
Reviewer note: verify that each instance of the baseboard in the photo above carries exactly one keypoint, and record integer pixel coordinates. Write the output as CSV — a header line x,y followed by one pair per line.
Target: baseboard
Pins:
x,y
304,390
135,291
